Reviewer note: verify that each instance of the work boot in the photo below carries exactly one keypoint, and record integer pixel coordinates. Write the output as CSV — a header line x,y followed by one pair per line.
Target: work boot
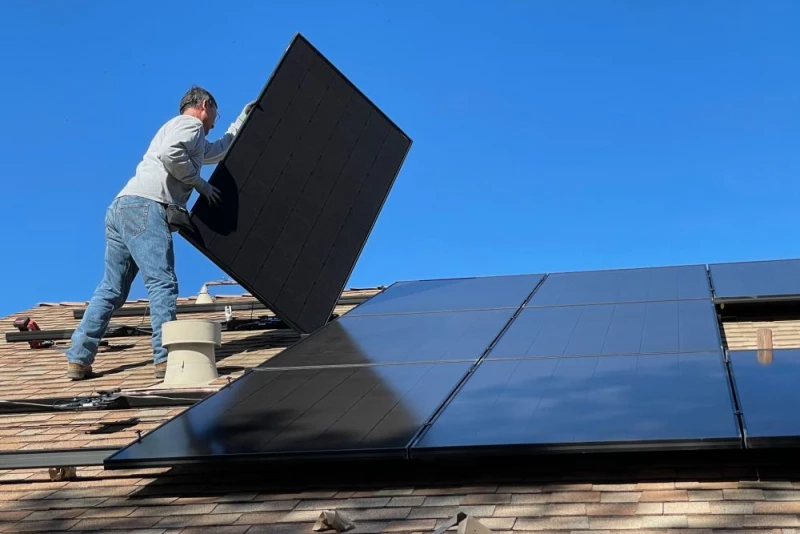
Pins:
x,y
161,370
76,371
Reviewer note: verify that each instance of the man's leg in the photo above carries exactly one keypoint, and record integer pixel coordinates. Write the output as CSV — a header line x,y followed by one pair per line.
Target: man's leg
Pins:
x,y
110,295
153,252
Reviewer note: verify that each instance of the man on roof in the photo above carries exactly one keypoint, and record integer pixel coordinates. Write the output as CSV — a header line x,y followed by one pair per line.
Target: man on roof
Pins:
x,y
137,230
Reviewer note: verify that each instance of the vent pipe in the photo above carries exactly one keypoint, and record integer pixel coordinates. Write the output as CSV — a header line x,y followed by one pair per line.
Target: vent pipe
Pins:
x,y
764,346
203,297
191,346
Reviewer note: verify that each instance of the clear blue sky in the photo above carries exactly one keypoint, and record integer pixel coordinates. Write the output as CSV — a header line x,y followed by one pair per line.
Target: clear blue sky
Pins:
x,y
548,135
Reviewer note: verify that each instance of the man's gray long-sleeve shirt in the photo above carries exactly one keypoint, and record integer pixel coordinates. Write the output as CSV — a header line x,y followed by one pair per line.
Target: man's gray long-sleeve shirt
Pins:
x,y
170,168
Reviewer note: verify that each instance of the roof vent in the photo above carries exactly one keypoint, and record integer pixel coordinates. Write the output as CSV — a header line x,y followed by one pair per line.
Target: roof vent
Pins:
x,y
203,297
191,345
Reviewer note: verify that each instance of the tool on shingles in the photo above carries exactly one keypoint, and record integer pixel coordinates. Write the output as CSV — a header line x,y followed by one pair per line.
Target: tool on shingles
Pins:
x,y
48,337
25,324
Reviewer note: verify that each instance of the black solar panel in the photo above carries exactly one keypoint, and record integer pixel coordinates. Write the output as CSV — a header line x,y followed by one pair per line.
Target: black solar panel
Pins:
x,y
756,280
345,411
302,186
592,403
433,337
624,285
638,328
451,294
769,396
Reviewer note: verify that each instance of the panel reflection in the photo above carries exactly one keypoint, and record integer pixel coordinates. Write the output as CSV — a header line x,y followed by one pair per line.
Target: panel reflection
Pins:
x,y
589,401
294,412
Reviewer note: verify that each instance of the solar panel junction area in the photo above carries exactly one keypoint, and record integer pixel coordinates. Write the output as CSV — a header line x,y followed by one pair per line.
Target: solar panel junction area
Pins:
x,y
618,360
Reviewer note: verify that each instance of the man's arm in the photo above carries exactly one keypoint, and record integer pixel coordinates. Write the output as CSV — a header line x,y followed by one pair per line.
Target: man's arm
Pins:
x,y
185,139
214,152
182,140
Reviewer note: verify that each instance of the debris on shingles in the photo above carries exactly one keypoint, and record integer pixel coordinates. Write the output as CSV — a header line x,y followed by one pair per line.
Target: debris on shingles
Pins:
x,y
333,520
166,500
466,525
59,474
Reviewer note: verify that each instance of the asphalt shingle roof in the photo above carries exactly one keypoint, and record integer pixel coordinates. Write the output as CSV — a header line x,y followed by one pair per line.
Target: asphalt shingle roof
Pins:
x,y
258,500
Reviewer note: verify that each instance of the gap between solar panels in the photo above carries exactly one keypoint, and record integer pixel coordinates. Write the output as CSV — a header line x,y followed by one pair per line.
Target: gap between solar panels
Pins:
x,y
302,186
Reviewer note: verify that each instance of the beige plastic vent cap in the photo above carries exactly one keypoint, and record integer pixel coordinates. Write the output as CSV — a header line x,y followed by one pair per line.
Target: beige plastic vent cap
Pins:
x,y
191,346
204,297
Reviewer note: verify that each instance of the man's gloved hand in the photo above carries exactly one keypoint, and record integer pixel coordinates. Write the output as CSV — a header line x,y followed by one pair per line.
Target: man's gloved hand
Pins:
x,y
243,115
209,191
248,108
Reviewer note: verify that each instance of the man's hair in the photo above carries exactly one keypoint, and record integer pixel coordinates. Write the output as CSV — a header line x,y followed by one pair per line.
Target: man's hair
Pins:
x,y
194,97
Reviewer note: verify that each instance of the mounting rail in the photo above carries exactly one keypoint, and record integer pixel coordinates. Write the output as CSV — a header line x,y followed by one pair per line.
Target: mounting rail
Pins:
x,y
265,323
138,311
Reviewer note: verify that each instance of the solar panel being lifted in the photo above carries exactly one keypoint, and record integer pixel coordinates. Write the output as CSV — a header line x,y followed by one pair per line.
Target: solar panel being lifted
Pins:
x,y
302,186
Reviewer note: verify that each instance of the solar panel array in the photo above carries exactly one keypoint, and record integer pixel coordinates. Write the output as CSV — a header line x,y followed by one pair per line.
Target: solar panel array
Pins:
x,y
592,362
302,186
630,361
366,384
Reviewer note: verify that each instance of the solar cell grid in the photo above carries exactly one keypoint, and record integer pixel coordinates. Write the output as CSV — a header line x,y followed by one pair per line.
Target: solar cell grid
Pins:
x,y
608,329
769,395
589,403
623,285
396,339
763,280
308,413
452,294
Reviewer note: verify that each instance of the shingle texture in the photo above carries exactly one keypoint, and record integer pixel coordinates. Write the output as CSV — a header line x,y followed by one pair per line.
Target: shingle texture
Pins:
x,y
159,501
181,500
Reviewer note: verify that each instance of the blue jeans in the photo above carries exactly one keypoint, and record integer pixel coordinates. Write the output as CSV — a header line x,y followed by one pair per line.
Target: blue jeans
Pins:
x,y
137,238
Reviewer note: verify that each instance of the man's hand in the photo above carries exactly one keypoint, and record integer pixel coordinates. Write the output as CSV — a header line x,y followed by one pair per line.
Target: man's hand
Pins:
x,y
210,192
247,109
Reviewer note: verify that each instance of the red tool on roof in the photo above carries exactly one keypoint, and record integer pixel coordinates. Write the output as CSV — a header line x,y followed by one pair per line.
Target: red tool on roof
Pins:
x,y
26,324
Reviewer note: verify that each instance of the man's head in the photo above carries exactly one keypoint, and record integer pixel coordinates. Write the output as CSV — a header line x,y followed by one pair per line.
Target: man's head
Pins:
x,y
199,103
